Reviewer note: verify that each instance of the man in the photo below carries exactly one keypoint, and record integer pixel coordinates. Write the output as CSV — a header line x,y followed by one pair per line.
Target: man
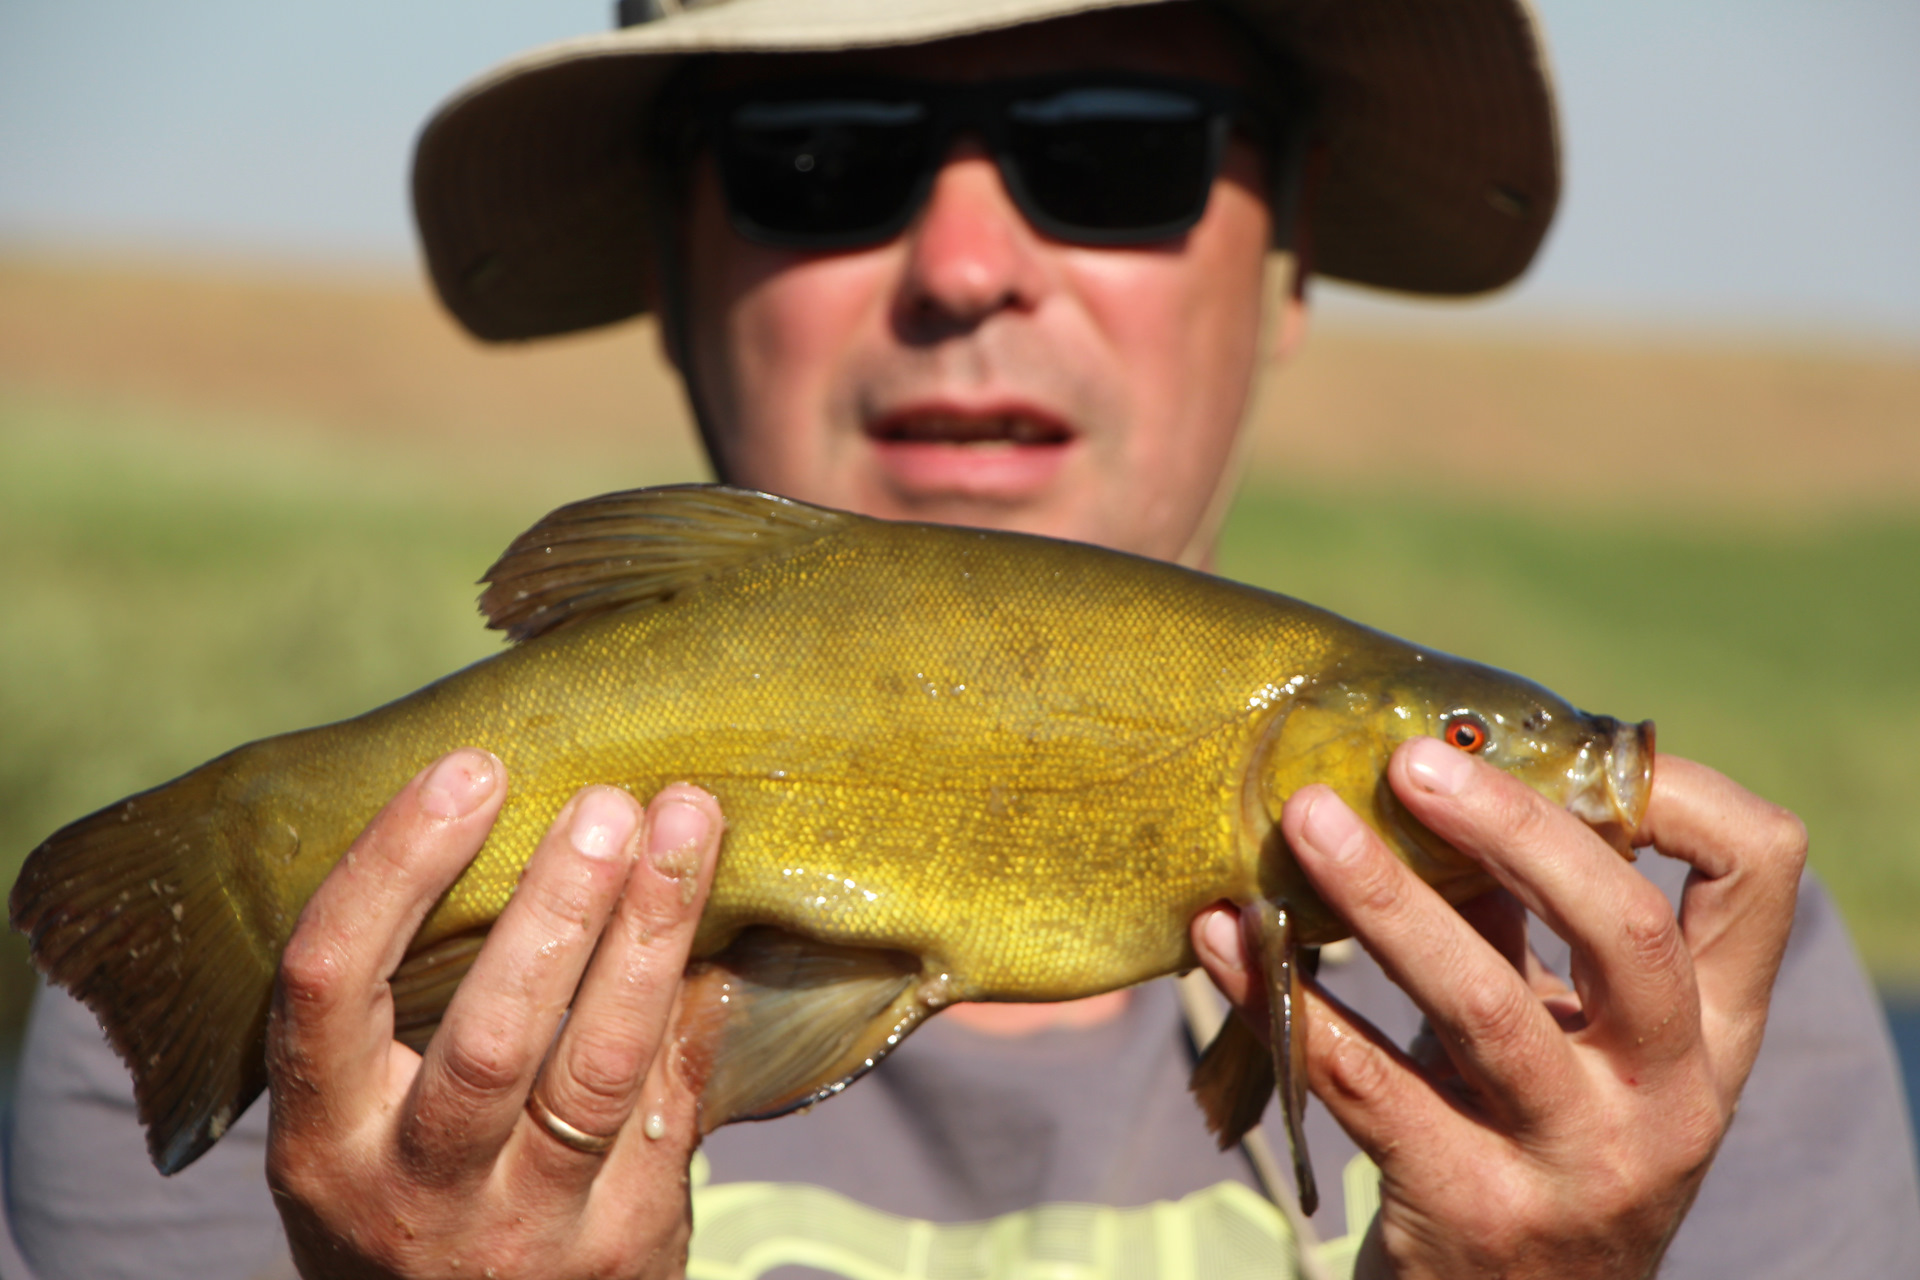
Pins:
x,y
1009,265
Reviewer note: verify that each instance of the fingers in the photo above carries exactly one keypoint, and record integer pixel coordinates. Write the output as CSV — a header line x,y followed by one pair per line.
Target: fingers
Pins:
x,y
1222,950
1738,906
333,1013
1492,1025
440,1159
1556,1144
473,1081
606,1062
1631,965
1378,1093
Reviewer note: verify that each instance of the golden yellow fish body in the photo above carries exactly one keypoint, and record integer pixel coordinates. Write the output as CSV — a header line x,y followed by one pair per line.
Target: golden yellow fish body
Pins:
x,y
1024,764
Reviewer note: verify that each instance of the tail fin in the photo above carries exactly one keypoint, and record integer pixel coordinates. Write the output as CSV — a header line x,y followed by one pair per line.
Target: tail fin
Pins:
x,y
127,910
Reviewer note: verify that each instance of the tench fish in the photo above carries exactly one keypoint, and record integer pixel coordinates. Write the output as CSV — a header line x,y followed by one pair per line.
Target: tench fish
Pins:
x,y
955,765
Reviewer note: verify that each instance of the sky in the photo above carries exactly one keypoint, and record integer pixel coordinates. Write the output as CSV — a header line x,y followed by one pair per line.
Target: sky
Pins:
x,y
1735,164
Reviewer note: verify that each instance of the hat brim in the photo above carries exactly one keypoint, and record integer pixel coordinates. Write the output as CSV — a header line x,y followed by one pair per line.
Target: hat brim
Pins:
x,y
1442,166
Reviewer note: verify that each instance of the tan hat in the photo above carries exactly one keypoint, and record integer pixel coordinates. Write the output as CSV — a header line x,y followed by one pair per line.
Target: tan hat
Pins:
x,y
1442,173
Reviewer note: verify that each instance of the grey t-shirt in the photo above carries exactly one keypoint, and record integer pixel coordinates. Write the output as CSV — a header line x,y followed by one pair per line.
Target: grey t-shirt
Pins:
x,y
1074,1152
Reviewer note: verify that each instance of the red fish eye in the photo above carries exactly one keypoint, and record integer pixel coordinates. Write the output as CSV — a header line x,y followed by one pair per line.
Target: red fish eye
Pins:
x,y
1468,735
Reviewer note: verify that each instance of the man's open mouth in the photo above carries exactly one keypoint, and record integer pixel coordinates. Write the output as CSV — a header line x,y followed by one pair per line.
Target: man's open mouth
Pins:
x,y
983,431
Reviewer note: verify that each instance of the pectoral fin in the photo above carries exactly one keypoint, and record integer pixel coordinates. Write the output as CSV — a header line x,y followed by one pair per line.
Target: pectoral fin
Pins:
x,y
1281,958
1237,1074
777,1022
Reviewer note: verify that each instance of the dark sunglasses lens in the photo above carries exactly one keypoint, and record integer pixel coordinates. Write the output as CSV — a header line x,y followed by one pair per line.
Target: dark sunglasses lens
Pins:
x,y
822,170
1117,162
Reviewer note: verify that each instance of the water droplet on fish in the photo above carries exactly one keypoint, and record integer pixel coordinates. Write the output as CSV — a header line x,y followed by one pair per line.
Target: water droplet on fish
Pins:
x,y
1263,697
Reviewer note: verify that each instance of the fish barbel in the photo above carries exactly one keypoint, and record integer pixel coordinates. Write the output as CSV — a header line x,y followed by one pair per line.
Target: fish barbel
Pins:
x,y
955,764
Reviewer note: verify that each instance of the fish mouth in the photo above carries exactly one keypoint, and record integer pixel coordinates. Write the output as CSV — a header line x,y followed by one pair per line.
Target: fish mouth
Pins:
x,y
1613,789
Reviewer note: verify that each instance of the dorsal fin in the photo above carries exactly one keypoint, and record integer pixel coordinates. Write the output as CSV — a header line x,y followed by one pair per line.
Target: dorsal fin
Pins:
x,y
638,547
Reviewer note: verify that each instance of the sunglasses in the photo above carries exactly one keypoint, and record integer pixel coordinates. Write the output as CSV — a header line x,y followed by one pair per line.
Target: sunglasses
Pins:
x,y
1090,159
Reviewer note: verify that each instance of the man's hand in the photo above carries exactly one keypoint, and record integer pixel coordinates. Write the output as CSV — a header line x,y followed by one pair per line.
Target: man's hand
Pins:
x,y
1542,1132
388,1163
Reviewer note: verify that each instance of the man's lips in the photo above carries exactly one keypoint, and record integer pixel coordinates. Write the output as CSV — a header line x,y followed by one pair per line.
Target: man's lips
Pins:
x,y
999,455
1013,427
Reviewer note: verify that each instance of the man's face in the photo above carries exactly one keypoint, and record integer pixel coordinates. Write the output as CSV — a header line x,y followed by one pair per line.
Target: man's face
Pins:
x,y
973,371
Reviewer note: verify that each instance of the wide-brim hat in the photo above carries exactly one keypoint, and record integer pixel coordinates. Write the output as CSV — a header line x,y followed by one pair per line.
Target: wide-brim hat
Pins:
x,y
1441,173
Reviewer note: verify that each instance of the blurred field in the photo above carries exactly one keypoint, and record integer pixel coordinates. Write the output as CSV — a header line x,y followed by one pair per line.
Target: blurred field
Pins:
x,y
234,505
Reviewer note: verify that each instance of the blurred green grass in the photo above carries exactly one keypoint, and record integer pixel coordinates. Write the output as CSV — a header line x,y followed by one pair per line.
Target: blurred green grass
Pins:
x,y
174,587
171,590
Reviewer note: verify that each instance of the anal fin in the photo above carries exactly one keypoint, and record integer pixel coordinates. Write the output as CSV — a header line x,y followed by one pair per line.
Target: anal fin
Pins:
x,y
777,1022
1233,1081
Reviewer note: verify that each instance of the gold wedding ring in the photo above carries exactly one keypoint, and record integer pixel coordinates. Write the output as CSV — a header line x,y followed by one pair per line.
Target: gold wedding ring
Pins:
x,y
587,1144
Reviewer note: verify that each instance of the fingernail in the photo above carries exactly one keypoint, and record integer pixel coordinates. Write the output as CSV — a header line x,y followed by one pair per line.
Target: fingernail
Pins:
x,y
1437,768
673,842
459,784
603,823
1331,828
1222,932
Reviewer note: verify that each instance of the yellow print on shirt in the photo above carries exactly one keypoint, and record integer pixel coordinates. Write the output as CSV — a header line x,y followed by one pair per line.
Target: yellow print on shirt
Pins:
x,y
743,1230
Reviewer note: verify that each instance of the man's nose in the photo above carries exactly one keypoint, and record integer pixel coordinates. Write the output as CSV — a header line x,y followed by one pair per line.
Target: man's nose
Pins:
x,y
970,252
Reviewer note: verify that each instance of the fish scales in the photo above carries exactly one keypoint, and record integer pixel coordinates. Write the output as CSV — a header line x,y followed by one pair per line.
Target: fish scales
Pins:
x,y
955,724
955,765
